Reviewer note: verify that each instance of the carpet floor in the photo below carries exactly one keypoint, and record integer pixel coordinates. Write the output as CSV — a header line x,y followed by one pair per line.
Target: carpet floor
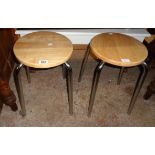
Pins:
x,y
47,104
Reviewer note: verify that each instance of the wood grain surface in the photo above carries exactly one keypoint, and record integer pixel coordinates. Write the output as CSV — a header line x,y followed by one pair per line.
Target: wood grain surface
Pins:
x,y
118,49
43,49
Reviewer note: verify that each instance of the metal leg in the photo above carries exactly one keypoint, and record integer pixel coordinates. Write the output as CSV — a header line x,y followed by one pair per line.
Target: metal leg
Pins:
x,y
94,86
28,74
63,71
120,75
69,82
84,63
19,88
138,86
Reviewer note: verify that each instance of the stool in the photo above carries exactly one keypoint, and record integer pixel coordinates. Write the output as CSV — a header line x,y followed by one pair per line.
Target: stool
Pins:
x,y
118,50
43,50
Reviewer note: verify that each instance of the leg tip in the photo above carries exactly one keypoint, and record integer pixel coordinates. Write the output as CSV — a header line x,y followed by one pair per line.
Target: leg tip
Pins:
x,y
118,83
23,114
89,114
79,79
129,112
71,112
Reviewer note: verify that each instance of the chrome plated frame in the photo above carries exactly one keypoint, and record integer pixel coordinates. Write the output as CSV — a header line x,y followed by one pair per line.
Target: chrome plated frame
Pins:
x,y
67,70
19,88
69,82
83,65
138,86
120,75
94,86
28,74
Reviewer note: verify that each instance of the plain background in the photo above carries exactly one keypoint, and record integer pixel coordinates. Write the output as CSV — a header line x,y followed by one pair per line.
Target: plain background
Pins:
x,y
77,14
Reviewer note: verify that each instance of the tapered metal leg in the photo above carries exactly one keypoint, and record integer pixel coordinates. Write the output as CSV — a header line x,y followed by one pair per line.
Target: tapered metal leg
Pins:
x,y
120,75
28,74
63,71
69,82
94,86
84,63
138,86
19,88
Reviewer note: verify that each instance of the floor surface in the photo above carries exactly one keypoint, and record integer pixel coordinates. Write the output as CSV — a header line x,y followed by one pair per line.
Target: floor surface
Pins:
x,y
47,105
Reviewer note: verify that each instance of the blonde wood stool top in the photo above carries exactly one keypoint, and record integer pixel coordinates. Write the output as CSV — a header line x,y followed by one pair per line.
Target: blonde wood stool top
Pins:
x,y
118,49
43,49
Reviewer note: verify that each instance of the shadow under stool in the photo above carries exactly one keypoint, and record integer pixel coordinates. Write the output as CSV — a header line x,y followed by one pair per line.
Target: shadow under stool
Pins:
x,y
42,50
119,50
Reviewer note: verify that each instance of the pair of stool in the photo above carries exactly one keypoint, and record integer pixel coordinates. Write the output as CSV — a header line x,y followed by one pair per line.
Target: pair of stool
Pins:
x,y
50,49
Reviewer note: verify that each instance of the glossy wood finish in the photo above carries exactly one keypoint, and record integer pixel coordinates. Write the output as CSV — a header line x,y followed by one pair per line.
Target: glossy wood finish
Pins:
x,y
7,39
34,48
118,49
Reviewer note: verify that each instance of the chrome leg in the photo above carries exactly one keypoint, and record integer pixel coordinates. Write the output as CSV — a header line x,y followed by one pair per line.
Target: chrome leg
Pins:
x,y
69,82
94,86
138,86
28,74
19,88
84,63
120,75
63,71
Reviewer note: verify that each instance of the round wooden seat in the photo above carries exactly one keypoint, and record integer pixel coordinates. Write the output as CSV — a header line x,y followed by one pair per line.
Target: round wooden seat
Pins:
x,y
43,49
118,49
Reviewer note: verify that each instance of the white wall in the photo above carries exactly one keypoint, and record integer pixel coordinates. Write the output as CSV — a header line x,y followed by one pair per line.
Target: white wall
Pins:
x,y
83,36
